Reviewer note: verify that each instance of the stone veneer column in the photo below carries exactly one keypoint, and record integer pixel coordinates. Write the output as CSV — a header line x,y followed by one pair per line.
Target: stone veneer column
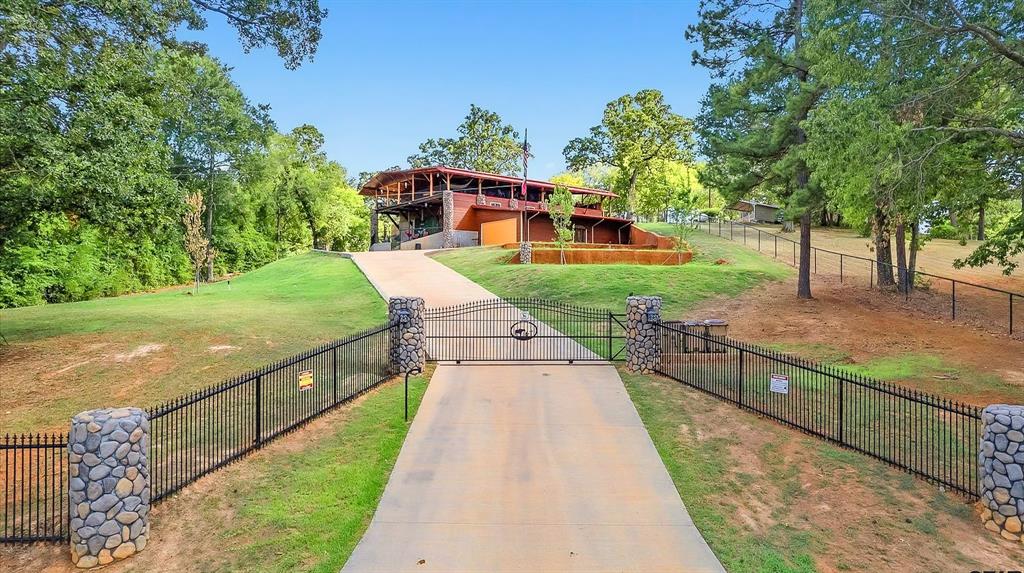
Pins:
x,y
407,341
109,487
1001,469
447,219
643,348
525,253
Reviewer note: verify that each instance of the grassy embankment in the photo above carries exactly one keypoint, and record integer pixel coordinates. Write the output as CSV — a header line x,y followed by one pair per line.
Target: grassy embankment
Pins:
x,y
144,349
606,286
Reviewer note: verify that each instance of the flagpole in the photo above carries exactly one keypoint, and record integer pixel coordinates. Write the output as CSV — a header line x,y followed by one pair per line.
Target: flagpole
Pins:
x,y
526,153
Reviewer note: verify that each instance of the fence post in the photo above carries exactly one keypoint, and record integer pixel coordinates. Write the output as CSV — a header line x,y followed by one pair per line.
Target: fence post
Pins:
x,y
1011,314
447,219
1000,464
525,253
643,343
741,377
954,300
776,255
842,434
109,488
259,410
840,268
609,334
334,375
407,344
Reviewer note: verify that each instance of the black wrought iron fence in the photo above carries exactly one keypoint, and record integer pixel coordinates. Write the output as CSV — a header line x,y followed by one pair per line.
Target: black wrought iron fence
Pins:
x,y
34,481
931,437
994,308
199,433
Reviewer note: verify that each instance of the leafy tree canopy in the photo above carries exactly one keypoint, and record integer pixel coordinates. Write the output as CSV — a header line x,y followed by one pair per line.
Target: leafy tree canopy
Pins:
x,y
484,143
635,131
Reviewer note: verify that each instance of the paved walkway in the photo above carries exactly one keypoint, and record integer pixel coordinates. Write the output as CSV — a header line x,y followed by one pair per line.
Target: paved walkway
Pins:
x,y
521,467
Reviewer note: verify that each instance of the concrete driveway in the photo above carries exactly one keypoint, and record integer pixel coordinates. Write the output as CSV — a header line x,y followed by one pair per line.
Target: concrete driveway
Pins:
x,y
522,467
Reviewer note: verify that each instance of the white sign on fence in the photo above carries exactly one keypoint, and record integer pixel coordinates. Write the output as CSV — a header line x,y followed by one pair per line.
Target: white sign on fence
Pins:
x,y
779,384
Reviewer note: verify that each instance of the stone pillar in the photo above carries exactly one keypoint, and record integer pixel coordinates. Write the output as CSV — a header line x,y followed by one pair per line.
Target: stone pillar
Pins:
x,y
1001,470
109,487
407,341
447,219
643,348
525,253
373,225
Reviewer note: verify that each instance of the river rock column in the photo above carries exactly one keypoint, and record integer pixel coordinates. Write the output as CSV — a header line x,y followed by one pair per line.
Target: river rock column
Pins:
x,y
447,219
525,253
643,348
1001,469
407,349
109,487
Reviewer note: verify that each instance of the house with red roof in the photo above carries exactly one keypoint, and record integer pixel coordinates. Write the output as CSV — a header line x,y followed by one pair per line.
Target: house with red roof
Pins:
x,y
444,207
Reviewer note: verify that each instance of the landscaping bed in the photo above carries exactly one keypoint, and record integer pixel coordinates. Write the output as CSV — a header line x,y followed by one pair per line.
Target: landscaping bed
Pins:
x,y
599,256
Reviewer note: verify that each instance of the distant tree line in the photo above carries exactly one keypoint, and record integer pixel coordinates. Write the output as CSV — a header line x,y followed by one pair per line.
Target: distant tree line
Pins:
x,y
108,123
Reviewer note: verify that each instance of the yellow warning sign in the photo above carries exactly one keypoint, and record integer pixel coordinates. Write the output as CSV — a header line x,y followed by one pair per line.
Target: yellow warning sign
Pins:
x,y
305,380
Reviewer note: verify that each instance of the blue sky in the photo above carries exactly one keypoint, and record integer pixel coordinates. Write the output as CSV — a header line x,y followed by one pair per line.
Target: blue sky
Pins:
x,y
388,75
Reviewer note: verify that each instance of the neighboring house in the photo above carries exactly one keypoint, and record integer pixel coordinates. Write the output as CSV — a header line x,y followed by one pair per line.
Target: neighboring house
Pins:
x,y
486,209
754,212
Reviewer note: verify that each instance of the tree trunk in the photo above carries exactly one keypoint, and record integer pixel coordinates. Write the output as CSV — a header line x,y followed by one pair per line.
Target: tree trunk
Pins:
x,y
981,220
883,249
803,174
631,193
915,246
209,216
901,257
803,287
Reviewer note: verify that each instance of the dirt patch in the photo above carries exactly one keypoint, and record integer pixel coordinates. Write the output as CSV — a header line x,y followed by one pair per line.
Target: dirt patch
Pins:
x,y
222,348
847,511
865,326
137,352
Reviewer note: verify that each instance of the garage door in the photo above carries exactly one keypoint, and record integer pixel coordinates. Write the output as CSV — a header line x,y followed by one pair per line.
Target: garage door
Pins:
x,y
498,232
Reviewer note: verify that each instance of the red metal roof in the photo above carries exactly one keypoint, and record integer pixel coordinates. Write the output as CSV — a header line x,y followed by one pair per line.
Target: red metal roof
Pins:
x,y
384,178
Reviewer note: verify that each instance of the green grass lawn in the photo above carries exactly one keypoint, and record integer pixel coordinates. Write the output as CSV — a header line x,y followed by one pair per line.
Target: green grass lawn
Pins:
x,y
144,349
606,286
301,503
924,371
770,499
308,510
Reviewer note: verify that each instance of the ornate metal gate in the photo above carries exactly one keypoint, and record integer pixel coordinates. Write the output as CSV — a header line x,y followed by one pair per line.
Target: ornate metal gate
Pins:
x,y
523,330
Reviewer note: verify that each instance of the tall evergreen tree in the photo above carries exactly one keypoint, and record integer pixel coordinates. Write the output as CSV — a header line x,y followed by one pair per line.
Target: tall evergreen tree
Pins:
x,y
751,123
